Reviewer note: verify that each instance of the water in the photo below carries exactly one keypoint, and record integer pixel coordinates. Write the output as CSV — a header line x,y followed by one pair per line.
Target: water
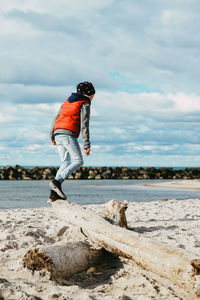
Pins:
x,y
32,194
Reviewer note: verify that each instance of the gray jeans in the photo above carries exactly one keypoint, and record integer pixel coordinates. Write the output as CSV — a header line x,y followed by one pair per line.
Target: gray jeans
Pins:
x,y
70,155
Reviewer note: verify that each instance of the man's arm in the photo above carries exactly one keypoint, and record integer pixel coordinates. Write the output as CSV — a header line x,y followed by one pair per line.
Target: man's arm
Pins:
x,y
85,119
52,127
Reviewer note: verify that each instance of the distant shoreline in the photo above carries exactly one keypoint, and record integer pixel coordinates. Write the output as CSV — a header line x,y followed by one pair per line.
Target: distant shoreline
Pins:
x,y
97,173
180,184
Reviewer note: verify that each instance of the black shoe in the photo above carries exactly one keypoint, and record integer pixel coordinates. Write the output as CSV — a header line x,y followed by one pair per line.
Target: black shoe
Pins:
x,y
56,186
54,196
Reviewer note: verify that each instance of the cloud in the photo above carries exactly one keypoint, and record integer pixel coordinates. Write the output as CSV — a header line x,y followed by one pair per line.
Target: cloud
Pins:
x,y
7,118
143,58
66,25
124,125
33,147
151,45
148,107
186,103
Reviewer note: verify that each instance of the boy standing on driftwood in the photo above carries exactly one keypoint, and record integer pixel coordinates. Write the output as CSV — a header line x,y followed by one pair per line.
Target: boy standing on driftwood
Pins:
x,y
72,118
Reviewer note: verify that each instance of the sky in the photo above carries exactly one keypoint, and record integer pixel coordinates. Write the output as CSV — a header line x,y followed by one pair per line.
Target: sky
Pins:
x,y
143,58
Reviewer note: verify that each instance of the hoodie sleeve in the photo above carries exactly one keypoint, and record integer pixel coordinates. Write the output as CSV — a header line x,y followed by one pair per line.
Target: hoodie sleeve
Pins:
x,y
85,119
53,124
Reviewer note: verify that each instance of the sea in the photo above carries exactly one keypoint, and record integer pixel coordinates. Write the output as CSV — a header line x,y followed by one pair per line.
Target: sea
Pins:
x,y
20,194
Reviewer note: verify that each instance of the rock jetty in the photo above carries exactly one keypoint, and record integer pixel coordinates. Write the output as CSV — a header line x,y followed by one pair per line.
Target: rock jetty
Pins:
x,y
38,173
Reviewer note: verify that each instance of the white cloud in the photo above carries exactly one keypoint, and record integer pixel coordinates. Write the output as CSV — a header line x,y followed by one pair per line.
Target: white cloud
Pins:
x,y
7,118
176,17
148,106
34,147
41,108
12,27
186,103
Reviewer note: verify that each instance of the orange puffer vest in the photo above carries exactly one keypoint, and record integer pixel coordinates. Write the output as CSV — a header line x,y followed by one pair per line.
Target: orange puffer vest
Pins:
x,y
69,117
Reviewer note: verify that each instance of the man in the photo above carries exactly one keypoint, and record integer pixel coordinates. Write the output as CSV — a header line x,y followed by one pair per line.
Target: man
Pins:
x,y
72,119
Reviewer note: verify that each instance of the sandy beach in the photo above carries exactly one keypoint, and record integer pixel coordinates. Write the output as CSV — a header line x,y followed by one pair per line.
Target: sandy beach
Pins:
x,y
173,222
178,184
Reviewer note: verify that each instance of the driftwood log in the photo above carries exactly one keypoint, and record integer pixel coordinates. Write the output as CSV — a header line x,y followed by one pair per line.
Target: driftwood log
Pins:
x,y
166,261
62,260
115,212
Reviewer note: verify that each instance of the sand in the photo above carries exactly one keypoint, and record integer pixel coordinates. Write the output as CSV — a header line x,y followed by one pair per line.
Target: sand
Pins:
x,y
172,222
178,184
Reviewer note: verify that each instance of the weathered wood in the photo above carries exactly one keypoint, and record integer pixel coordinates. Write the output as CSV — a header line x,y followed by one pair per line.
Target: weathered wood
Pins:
x,y
164,260
62,259
115,212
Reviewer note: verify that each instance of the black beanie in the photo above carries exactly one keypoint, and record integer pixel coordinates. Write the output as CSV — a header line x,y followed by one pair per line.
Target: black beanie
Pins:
x,y
86,88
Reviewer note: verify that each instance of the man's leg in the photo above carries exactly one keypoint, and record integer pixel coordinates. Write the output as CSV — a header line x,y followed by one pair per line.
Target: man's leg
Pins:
x,y
76,159
71,159
55,184
65,161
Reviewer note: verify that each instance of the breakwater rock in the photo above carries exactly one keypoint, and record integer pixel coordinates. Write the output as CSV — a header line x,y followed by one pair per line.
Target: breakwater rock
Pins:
x,y
38,173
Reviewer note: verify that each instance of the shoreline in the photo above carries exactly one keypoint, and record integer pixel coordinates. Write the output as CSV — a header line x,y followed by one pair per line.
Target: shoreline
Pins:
x,y
182,184
173,222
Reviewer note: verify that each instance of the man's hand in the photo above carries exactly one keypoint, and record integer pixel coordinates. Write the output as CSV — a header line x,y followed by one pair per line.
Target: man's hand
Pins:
x,y
87,151
54,143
